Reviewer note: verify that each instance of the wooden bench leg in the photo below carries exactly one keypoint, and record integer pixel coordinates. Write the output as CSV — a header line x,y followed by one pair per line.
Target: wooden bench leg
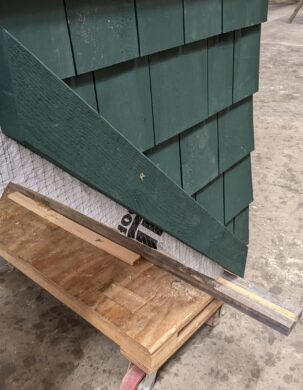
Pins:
x,y
297,9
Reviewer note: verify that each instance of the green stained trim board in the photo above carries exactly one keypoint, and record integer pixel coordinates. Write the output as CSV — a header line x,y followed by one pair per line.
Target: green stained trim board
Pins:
x,y
242,226
246,62
166,157
211,198
89,148
243,13
103,32
236,133
202,19
84,86
220,72
124,99
42,27
238,192
179,89
160,25
199,155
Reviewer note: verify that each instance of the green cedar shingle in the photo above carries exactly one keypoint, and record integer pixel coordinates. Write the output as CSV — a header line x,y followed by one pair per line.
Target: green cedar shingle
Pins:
x,y
84,86
230,226
220,72
236,138
242,226
103,32
42,27
167,157
124,99
160,25
246,62
179,89
199,155
243,13
237,188
202,19
211,198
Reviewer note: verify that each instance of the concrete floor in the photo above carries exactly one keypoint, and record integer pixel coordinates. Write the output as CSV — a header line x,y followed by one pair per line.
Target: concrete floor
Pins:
x,y
43,345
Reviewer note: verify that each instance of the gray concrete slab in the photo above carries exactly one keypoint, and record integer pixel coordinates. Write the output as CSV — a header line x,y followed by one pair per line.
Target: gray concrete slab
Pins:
x,y
43,345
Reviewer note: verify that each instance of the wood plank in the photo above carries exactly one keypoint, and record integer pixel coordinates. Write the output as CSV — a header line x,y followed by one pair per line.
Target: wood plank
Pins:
x,y
237,197
202,19
103,33
211,198
241,294
243,13
179,89
106,292
199,155
78,230
47,124
236,133
246,62
84,86
166,156
160,25
220,72
125,100
42,27
242,226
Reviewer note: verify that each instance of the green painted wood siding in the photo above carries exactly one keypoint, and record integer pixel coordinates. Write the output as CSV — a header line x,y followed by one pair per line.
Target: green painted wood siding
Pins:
x,y
202,19
236,137
199,155
242,226
109,163
84,86
124,99
211,198
220,72
246,62
238,192
167,157
41,26
179,89
160,25
230,226
243,13
103,32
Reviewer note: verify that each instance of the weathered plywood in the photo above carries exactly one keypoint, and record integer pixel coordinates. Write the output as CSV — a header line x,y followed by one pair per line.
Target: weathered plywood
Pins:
x,y
89,148
243,13
84,86
246,62
42,27
220,72
179,89
199,155
242,226
211,198
233,290
160,25
141,307
238,193
202,19
103,32
236,133
166,156
124,99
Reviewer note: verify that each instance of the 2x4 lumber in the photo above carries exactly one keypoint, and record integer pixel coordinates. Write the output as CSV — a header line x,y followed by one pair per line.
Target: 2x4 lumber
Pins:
x,y
39,111
80,231
231,289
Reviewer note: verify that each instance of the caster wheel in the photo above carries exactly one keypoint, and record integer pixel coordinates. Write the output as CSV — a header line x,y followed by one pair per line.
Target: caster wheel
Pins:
x,y
214,320
132,378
